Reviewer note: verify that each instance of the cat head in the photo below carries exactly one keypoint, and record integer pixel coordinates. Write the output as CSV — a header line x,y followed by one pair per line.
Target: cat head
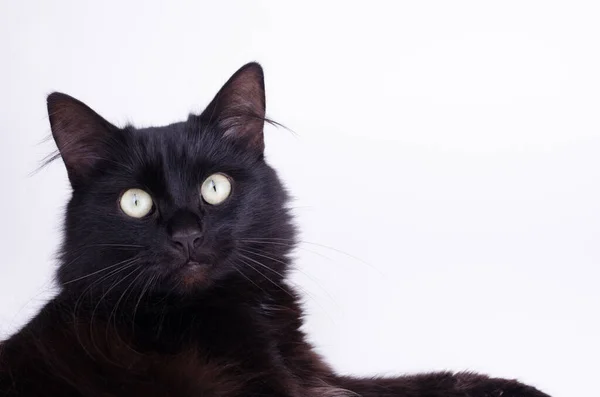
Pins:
x,y
178,208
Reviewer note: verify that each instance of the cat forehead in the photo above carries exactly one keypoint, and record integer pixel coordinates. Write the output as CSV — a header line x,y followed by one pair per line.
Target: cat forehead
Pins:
x,y
167,159
183,146
175,139
171,133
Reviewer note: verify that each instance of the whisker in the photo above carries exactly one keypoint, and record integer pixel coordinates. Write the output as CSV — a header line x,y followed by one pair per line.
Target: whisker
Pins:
x,y
96,272
247,278
110,245
81,296
292,243
284,290
289,281
296,269
267,278
262,265
116,245
117,282
101,279
130,262
148,284
115,309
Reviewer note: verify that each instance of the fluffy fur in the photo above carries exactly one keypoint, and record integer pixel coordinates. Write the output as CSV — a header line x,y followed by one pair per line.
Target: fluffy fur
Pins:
x,y
137,315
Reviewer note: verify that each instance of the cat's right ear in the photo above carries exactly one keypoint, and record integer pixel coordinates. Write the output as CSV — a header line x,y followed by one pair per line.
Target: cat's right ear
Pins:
x,y
80,134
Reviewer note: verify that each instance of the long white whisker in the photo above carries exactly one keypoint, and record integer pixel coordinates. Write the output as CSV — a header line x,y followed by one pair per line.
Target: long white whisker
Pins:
x,y
267,278
114,285
247,278
97,271
304,273
148,283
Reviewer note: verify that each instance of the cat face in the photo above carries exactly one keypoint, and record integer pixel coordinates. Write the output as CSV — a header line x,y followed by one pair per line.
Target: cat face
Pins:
x,y
174,209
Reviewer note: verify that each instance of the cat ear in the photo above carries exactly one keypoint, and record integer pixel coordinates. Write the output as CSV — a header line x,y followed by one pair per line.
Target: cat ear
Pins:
x,y
80,134
239,107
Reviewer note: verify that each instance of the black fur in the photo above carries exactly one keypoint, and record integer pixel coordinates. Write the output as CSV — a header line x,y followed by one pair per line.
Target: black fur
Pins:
x,y
139,316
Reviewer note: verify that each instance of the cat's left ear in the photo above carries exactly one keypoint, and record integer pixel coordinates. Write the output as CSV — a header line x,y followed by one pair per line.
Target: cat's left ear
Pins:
x,y
82,135
239,108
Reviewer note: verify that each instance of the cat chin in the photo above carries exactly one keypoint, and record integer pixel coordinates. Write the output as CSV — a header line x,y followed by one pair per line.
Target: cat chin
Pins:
x,y
189,277
194,274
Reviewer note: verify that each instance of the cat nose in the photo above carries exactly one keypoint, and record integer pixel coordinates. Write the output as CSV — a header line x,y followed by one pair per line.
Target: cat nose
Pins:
x,y
187,240
185,231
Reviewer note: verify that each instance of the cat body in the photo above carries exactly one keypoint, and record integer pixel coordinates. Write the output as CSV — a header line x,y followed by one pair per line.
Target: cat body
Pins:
x,y
173,270
222,346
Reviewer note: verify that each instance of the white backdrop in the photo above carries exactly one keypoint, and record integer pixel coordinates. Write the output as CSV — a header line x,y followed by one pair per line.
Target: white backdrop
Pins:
x,y
448,153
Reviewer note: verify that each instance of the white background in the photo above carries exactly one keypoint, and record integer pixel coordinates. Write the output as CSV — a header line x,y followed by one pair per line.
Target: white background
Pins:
x,y
447,152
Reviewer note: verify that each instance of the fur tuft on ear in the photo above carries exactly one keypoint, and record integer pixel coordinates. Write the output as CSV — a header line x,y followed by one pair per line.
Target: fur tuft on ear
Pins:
x,y
239,107
80,134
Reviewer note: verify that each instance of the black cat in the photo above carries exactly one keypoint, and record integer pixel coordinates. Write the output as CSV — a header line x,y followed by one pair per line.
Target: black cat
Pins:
x,y
173,270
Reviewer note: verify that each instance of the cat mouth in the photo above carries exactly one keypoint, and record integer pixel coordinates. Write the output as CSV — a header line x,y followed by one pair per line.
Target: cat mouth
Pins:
x,y
196,261
195,264
193,272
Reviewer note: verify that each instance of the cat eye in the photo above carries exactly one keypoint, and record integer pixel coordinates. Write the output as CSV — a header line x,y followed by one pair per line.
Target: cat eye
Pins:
x,y
136,203
215,189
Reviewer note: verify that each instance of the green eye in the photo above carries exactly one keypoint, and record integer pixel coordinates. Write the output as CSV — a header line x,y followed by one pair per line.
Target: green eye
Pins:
x,y
215,189
136,203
